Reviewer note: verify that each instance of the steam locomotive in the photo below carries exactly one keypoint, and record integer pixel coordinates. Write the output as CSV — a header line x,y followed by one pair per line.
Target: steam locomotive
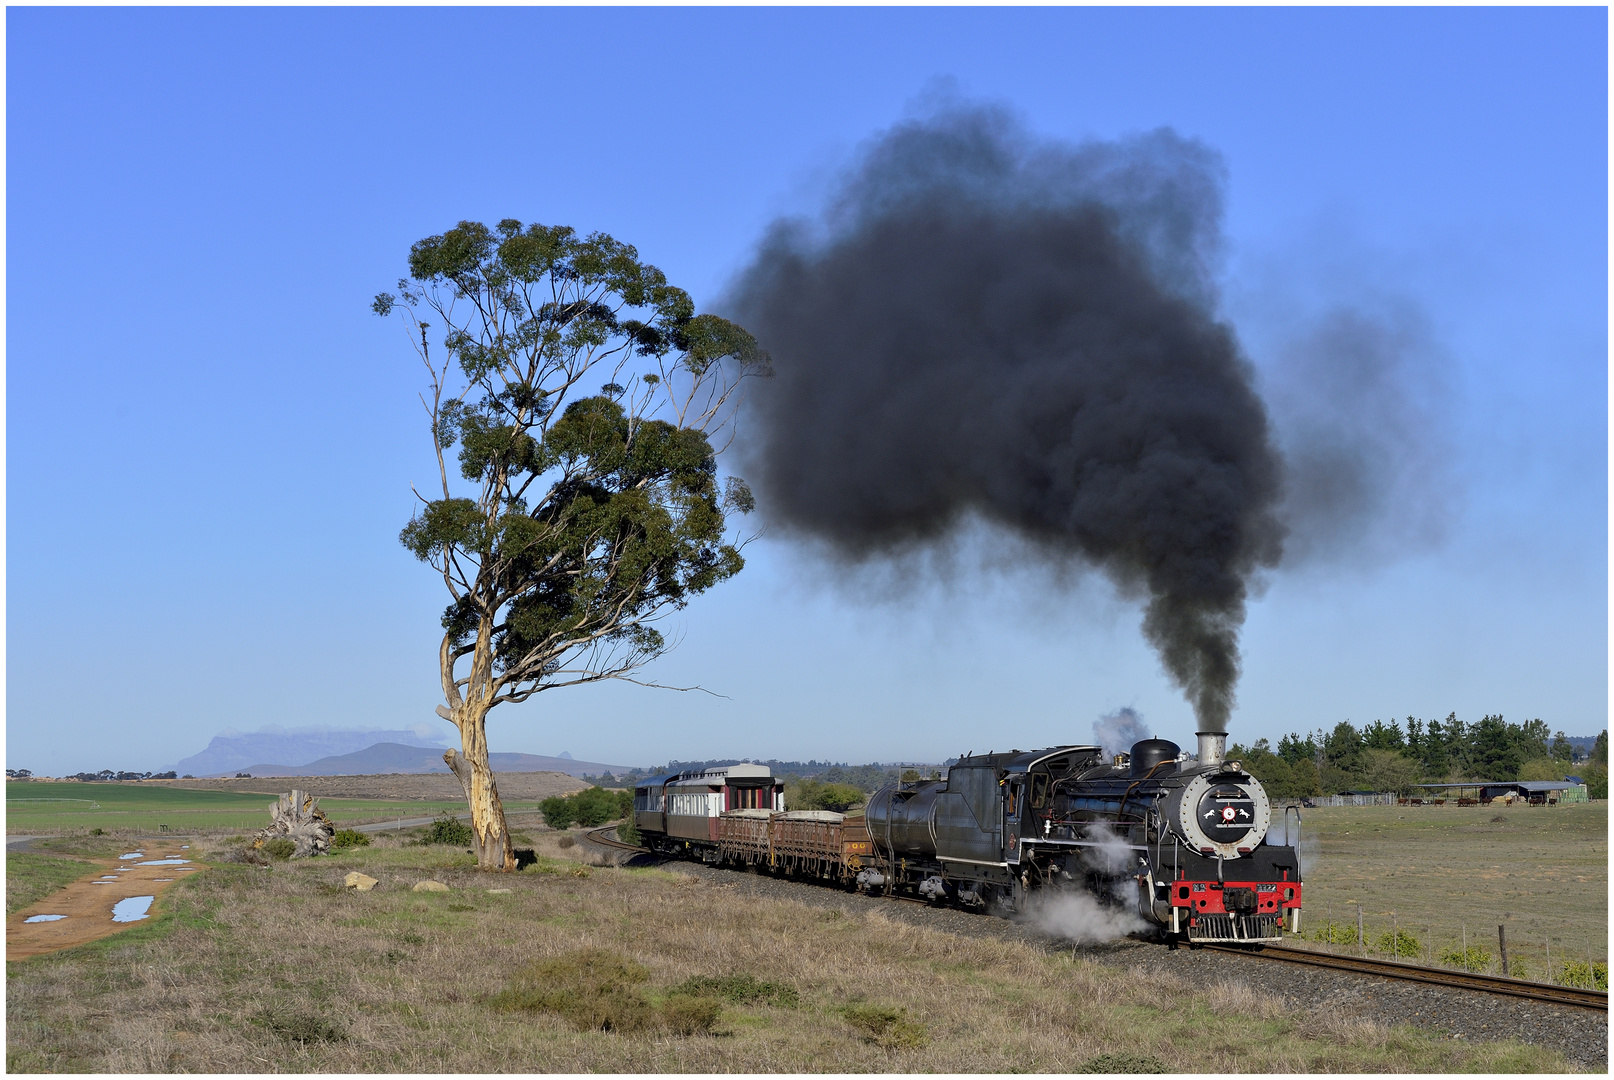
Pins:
x,y
1187,843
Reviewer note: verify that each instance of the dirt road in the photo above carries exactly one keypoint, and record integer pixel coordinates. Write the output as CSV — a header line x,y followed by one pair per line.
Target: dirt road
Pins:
x,y
103,902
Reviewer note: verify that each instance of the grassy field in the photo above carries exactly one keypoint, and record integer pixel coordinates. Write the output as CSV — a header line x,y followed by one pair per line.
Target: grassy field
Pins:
x,y
250,969
129,808
1435,871
31,877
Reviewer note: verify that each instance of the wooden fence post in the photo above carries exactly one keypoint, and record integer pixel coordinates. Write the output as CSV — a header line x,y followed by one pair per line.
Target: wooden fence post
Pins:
x,y
1502,945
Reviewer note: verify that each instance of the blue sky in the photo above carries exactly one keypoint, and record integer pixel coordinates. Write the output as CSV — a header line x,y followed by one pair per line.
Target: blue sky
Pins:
x,y
211,439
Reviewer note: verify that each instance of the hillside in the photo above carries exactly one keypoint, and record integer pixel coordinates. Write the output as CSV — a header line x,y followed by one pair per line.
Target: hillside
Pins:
x,y
389,757
432,787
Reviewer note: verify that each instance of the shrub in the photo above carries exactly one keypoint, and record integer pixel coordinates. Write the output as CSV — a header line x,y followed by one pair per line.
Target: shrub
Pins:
x,y
280,848
598,990
301,1027
1585,976
1518,968
885,1026
1122,1063
627,832
1400,943
448,829
685,1015
1474,959
738,990
817,795
97,832
567,842
557,812
589,808
346,838
1335,934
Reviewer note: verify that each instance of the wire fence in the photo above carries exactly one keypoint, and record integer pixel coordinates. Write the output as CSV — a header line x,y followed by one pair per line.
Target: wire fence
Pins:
x,y
1510,947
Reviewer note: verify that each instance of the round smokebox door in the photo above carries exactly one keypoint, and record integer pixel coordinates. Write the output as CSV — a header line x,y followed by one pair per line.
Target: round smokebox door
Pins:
x,y
1226,814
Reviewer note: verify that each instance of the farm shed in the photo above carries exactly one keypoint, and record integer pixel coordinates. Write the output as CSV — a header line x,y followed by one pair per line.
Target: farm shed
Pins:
x,y
1535,792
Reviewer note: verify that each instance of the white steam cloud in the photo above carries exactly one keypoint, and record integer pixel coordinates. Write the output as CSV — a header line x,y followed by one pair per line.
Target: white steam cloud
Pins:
x,y
1081,918
1119,730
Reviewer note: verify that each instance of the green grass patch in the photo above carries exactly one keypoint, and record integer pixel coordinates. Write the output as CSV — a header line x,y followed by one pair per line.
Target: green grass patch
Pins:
x,y
739,990
599,990
885,1025
30,877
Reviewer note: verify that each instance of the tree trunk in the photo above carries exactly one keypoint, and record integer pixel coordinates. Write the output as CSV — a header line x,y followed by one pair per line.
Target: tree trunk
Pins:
x,y
490,836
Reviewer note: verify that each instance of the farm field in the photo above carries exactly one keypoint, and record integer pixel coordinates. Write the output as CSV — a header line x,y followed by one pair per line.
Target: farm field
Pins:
x,y
45,807
246,969
1540,871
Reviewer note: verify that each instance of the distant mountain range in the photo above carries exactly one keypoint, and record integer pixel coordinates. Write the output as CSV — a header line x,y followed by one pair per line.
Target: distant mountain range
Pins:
x,y
392,757
233,752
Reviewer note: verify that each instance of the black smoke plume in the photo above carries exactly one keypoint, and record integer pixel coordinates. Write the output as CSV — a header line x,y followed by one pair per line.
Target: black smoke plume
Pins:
x,y
987,328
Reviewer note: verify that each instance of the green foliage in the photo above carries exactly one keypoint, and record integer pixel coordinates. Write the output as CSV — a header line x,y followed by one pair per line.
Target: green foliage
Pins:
x,y
279,848
627,832
1596,777
1586,976
1475,958
591,512
813,794
300,1026
1122,1063
31,877
589,808
598,990
885,1026
448,829
1400,943
349,838
1542,769
1331,933
1387,756
739,990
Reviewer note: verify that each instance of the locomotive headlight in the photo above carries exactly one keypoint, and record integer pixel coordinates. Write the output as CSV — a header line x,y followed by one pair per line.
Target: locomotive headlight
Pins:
x,y
1233,766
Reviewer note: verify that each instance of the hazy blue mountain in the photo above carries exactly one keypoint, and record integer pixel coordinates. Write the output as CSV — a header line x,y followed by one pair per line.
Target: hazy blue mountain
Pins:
x,y
232,752
389,757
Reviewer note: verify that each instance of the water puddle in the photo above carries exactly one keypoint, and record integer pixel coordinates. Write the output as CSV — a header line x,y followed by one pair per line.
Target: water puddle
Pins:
x,y
44,918
133,855
163,862
162,879
132,908
184,847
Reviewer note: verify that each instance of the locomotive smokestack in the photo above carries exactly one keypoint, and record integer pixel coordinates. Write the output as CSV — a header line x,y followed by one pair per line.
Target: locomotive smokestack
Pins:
x,y
991,330
1212,747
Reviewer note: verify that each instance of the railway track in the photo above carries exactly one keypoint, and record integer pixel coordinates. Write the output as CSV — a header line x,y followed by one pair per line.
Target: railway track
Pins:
x,y
1392,969
606,837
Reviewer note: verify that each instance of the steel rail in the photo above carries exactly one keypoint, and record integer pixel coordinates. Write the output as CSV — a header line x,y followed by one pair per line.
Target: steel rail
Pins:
x,y
1393,969
598,836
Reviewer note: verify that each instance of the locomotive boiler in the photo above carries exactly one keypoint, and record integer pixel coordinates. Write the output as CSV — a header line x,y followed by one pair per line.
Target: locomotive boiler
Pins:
x,y
1185,842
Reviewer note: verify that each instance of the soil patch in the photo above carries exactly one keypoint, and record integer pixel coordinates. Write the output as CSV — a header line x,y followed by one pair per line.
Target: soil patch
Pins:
x,y
87,905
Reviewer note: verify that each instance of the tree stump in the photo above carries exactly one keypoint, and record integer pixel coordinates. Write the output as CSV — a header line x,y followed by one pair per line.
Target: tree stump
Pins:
x,y
297,818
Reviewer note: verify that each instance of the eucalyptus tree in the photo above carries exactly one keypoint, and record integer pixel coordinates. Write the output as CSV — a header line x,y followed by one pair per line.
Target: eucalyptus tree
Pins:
x,y
588,403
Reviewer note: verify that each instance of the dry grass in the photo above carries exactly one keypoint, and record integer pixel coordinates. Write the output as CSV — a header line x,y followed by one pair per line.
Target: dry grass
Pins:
x,y
282,969
1539,871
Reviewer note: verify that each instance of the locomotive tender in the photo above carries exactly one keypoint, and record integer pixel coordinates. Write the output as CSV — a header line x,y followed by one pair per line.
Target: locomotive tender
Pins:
x,y
1182,841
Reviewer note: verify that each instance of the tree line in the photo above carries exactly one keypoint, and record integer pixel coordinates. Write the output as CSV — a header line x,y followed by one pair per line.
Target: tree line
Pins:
x,y
1395,757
